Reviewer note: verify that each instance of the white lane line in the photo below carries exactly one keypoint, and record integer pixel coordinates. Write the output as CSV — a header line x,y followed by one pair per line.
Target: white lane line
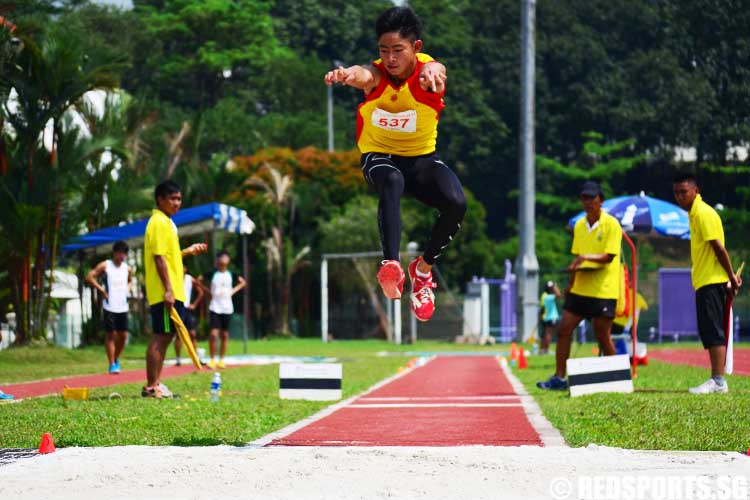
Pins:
x,y
290,429
438,405
441,398
549,435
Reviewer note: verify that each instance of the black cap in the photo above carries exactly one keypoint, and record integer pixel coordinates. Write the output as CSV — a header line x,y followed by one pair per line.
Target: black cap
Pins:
x,y
591,188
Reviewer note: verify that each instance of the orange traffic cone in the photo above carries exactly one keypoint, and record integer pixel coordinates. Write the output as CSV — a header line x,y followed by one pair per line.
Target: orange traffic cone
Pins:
x,y
522,362
513,354
47,445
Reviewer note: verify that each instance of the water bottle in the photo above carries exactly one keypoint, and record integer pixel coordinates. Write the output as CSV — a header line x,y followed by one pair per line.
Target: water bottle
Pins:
x,y
215,387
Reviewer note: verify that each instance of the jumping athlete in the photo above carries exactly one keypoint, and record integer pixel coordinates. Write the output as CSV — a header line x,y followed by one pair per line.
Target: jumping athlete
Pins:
x,y
397,134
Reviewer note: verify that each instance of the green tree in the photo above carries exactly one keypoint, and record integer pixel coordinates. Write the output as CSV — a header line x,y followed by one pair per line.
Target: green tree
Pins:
x,y
604,162
196,49
49,75
283,260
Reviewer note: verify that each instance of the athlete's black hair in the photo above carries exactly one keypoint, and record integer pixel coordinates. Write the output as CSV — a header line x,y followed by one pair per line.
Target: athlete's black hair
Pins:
x,y
120,246
166,188
689,178
222,253
402,20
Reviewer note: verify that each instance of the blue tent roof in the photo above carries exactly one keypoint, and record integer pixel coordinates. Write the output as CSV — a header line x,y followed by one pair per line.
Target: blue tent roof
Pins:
x,y
191,221
641,214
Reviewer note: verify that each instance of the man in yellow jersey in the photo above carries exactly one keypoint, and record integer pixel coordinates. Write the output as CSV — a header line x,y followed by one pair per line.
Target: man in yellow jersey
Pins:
x,y
164,281
397,135
594,281
712,276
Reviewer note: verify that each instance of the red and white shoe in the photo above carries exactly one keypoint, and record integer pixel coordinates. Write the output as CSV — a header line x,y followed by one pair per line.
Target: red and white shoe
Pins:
x,y
422,298
391,278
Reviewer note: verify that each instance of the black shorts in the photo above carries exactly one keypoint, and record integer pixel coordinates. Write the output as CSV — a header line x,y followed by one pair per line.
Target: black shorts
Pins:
x,y
220,321
189,319
590,307
710,302
551,323
115,322
160,321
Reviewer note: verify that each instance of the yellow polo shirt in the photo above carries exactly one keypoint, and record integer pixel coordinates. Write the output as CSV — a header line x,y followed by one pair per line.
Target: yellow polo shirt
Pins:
x,y
601,281
705,226
162,239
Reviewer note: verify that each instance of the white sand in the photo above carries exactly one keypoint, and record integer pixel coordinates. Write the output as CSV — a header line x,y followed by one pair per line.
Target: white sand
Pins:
x,y
295,473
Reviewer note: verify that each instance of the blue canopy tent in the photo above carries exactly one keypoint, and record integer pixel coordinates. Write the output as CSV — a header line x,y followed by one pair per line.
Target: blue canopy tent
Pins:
x,y
641,214
189,221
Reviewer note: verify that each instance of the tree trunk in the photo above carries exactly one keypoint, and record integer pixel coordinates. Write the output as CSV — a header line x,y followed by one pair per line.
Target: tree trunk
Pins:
x,y
16,277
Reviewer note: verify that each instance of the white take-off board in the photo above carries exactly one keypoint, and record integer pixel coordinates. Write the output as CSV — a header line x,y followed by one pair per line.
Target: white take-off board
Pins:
x,y
600,374
310,381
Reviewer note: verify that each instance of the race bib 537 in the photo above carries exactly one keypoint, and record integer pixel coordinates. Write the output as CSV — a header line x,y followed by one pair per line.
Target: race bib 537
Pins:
x,y
405,121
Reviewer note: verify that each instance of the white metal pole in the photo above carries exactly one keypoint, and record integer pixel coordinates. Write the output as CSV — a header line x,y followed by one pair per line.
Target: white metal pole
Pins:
x,y
324,300
246,294
527,264
397,320
330,118
389,310
413,327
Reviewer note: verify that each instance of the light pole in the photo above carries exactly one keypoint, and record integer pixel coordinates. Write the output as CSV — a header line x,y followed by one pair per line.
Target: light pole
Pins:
x,y
527,266
330,118
336,63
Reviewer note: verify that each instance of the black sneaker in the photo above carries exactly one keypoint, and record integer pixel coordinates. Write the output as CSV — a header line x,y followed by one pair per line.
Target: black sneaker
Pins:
x,y
554,383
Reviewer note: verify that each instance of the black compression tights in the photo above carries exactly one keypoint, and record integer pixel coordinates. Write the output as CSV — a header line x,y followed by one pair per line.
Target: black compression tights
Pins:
x,y
430,181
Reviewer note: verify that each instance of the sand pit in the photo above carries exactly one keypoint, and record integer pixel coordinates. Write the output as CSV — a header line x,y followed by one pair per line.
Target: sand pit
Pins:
x,y
347,473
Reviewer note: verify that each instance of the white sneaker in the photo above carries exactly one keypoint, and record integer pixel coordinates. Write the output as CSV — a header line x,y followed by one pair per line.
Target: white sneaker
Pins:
x,y
710,386
165,392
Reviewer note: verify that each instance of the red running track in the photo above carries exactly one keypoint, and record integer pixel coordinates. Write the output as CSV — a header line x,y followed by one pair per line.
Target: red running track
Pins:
x,y
56,386
699,357
450,401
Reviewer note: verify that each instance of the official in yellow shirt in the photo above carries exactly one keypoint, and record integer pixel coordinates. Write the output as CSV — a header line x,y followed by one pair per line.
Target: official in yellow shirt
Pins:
x,y
397,135
594,283
712,276
164,280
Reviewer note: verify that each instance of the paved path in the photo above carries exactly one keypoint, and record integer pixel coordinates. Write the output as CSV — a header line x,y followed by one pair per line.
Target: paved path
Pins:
x,y
699,357
55,386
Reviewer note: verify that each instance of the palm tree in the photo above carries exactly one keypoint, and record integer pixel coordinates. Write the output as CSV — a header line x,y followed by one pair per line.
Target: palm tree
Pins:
x,y
283,261
46,155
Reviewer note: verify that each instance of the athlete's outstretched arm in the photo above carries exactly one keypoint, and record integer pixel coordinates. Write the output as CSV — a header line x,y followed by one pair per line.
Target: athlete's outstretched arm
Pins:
x,y
432,77
361,77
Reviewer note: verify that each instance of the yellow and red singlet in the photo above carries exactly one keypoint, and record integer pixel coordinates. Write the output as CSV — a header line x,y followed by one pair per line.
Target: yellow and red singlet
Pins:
x,y
399,120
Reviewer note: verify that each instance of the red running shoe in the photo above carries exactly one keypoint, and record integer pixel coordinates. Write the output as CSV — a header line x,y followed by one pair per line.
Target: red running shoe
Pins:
x,y
391,278
422,298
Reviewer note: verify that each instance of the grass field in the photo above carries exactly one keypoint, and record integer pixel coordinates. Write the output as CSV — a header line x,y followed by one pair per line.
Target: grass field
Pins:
x,y
249,407
38,363
660,415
